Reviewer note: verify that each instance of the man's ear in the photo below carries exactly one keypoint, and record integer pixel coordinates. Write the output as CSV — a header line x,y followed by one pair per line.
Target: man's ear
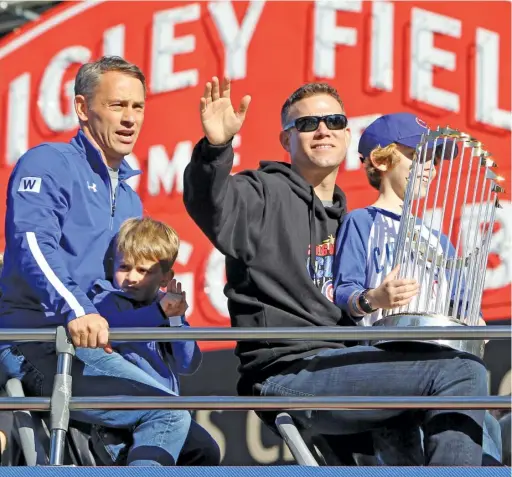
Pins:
x,y
348,138
284,138
81,109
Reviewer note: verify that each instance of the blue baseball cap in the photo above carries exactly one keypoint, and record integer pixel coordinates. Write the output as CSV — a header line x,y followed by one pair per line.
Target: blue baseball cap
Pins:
x,y
400,128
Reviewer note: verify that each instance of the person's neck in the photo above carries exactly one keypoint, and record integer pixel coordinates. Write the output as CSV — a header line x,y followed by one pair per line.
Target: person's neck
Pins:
x,y
388,200
323,182
113,163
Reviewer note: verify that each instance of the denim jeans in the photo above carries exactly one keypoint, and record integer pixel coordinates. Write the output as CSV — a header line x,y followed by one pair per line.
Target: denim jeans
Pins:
x,y
403,445
158,435
451,437
112,445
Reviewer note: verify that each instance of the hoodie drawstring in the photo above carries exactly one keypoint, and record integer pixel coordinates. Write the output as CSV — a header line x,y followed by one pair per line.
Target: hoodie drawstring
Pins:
x,y
312,236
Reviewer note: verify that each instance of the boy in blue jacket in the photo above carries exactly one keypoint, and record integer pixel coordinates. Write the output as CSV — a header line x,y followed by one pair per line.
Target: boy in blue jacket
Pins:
x,y
145,252
365,282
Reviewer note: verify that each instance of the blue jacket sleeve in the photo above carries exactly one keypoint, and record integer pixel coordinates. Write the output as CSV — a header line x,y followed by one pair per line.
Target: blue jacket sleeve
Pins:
x,y
119,311
38,200
186,355
350,264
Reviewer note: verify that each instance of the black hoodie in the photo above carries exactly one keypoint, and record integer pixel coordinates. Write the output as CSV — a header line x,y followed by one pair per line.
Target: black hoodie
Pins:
x,y
264,221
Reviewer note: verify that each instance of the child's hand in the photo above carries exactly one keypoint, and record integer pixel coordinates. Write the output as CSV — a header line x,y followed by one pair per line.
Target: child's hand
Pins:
x,y
174,302
393,292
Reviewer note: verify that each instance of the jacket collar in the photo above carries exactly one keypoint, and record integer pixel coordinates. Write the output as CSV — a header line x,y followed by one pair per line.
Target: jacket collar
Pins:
x,y
95,160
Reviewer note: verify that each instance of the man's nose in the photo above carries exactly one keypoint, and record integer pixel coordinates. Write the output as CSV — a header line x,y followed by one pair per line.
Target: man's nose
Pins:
x,y
322,129
128,116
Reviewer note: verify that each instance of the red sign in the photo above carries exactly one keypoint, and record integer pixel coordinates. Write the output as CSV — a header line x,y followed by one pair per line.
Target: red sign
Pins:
x,y
447,62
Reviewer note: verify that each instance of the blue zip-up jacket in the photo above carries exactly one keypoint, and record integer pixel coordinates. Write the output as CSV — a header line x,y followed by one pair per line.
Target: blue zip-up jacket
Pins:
x,y
59,225
163,361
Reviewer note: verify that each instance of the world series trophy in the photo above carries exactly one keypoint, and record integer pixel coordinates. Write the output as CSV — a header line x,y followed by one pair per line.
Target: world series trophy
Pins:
x,y
448,262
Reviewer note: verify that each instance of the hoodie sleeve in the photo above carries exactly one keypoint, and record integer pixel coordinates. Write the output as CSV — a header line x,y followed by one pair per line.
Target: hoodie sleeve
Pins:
x,y
38,198
186,354
229,209
119,311
350,262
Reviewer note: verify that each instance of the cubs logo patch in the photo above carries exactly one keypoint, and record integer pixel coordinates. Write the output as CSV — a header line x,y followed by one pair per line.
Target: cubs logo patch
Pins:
x,y
422,123
328,290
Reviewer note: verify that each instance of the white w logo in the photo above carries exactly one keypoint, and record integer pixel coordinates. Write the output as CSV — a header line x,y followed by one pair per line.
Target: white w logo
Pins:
x,y
30,184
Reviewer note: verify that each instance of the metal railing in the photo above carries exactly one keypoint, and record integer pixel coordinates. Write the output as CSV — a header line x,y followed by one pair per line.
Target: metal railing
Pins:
x,y
338,333
61,402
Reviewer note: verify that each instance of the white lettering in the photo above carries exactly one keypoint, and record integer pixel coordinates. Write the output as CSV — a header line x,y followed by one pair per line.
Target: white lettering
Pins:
x,y
487,66
260,453
381,73
187,279
18,117
236,143
328,35
505,388
113,41
51,87
424,57
167,172
214,281
166,46
235,38
203,418
501,275
357,125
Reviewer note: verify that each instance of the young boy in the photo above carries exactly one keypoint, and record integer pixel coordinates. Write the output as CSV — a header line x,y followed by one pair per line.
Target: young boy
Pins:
x,y
145,252
365,283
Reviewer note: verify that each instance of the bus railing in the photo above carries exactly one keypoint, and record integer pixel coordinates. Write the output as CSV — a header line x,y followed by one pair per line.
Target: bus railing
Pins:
x,y
61,403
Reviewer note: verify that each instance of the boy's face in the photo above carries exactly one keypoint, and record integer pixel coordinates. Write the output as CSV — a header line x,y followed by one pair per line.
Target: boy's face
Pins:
x,y
397,176
141,281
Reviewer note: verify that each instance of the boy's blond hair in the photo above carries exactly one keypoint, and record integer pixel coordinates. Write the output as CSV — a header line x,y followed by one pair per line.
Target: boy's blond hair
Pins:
x,y
148,239
381,155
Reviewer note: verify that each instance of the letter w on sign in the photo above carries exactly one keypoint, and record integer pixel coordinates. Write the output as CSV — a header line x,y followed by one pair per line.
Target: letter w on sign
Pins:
x,y
30,184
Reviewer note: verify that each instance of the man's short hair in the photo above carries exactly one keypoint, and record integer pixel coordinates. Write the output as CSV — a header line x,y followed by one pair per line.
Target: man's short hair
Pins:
x,y
148,239
89,74
306,91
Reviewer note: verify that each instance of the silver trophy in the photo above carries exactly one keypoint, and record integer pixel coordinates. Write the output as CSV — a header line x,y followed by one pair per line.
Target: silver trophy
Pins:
x,y
448,260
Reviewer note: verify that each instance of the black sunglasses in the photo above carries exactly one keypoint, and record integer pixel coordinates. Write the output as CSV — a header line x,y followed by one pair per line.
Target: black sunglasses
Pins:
x,y
311,123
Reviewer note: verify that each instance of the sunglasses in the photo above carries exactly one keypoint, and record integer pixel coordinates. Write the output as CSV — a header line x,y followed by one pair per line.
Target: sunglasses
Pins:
x,y
333,122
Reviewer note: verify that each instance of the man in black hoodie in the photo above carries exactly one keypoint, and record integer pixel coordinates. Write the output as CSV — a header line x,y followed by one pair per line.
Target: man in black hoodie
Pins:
x,y
276,227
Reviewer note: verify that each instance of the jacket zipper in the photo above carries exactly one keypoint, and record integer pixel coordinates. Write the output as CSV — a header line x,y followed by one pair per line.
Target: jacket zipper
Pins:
x,y
112,204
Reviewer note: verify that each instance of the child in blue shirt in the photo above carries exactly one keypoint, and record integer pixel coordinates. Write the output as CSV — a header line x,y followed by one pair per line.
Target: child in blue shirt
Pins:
x,y
144,256
365,282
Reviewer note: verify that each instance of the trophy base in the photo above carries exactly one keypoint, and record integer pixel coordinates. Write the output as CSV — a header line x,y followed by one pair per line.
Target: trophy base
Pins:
x,y
475,347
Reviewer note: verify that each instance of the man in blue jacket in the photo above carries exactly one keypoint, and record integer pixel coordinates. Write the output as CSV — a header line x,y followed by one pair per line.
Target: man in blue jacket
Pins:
x,y
65,203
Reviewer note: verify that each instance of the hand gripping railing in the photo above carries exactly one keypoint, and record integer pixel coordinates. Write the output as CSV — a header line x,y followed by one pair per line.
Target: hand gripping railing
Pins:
x,y
61,402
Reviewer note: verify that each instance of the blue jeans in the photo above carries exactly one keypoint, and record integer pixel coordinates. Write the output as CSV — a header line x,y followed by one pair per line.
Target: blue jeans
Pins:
x,y
451,437
158,435
403,446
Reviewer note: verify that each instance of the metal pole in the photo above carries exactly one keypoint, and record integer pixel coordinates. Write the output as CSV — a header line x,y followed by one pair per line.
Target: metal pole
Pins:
x,y
334,333
61,395
232,403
